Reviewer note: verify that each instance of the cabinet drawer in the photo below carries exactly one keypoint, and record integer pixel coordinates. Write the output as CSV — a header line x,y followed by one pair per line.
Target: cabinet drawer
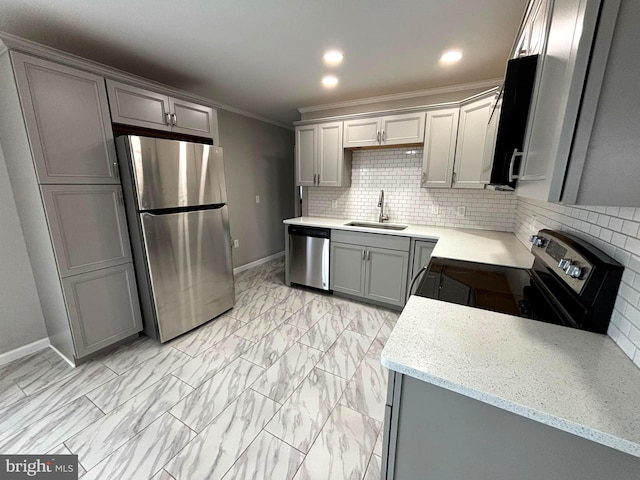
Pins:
x,y
392,242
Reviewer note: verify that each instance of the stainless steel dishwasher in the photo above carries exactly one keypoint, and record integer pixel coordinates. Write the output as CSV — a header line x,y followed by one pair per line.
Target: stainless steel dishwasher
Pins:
x,y
309,256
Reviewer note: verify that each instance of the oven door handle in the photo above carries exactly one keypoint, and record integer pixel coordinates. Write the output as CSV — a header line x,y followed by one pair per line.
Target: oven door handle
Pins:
x,y
416,277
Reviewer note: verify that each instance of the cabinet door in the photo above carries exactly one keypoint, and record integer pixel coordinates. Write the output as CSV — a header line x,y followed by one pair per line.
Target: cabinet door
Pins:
x,y
103,307
88,227
362,133
386,275
330,155
192,119
306,151
470,149
538,21
138,107
401,129
557,98
441,132
346,273
67,117
421,254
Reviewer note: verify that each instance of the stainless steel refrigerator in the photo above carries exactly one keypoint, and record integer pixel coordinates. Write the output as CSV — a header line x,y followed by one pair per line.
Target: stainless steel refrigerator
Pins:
x,y
175,196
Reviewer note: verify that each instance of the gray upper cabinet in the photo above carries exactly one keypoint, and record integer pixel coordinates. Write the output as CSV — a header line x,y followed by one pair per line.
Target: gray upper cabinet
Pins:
x,y
389,130
441,132
320,159
67,118
457,152
138,107
103,307
470,164
581,146
144,108
191,118
87,225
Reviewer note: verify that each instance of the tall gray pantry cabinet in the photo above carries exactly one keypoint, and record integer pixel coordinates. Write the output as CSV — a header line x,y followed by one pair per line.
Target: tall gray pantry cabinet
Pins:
x,y
57,138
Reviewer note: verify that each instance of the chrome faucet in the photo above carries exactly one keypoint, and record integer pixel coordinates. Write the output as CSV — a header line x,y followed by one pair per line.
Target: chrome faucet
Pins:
x,y
382,217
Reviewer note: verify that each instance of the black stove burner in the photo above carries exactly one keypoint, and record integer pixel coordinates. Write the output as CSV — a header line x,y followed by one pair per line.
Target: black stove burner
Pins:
x,y
580,294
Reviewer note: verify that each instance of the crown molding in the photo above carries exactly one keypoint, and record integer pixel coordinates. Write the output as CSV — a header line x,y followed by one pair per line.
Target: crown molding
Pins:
x,y
396,111
402,96
9,41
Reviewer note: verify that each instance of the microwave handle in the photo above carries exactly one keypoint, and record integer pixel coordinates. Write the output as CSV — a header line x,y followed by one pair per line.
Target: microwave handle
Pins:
x,y
515,155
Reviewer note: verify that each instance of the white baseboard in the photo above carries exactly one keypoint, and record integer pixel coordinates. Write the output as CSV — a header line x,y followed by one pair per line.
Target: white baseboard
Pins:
x,y
23,351
247,266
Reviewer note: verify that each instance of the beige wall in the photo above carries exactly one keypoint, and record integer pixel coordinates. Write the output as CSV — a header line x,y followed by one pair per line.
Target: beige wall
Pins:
x,y
258,160
21,320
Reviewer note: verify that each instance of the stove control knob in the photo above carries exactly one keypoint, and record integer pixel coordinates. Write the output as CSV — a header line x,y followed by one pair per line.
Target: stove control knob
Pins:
x,y
575,271
540,242
533,239
564,263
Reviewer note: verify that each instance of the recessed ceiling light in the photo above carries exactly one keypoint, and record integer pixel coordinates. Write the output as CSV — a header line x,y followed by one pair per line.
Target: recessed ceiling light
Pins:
x,y
329,81
451,56
333,57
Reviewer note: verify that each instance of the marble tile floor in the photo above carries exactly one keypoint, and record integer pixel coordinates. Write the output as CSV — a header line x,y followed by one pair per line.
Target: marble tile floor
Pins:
x,y
287,385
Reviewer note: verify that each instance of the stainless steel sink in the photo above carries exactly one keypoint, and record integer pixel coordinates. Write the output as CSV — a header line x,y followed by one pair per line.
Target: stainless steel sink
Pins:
x,y
383,226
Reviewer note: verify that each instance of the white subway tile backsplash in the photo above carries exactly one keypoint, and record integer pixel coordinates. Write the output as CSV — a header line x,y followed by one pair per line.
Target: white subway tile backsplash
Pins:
x,y
398,173
619,240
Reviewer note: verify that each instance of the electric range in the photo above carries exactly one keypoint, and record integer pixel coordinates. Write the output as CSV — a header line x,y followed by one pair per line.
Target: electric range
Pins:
x,y
571,283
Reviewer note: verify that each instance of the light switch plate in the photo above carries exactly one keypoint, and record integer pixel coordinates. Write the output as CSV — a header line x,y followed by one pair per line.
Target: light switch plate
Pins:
x,y
334,204
461,211
257,198
435,209
236,243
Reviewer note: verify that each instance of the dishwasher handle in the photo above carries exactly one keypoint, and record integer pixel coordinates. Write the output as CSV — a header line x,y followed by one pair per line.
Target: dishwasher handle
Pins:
x,y
304,231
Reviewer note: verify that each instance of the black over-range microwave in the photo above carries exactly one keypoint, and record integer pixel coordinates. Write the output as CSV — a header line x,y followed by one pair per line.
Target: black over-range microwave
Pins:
x,y
511,111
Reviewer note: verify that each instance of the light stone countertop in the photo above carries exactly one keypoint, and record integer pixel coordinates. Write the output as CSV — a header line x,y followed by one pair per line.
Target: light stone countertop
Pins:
x,y
576,381
481,246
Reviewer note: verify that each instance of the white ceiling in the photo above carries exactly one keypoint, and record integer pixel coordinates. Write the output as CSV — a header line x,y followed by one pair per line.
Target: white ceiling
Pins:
x,y
265,56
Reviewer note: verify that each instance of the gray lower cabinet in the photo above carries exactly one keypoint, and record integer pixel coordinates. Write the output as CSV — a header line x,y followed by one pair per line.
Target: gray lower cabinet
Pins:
x,y
103,307
431,432
346,271
370,266
386,275
421,252
88,226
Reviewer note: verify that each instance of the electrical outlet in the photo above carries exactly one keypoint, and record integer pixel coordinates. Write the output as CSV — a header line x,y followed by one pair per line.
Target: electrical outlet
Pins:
x,y
236,243
334,204
461,211
257,198
435,209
